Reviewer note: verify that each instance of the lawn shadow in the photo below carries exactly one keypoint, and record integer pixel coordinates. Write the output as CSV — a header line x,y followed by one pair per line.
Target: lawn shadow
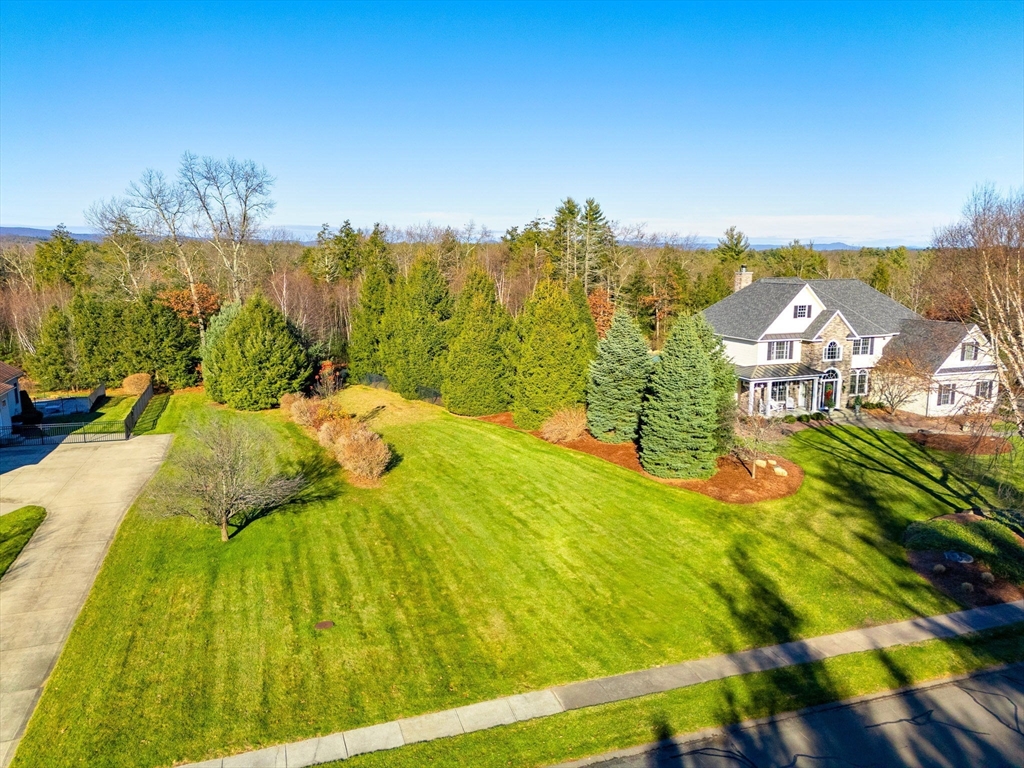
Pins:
x,y
837,735
154,410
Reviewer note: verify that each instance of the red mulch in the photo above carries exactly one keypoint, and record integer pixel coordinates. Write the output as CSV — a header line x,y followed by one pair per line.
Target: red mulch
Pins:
x,y
974,445
999,591
731,483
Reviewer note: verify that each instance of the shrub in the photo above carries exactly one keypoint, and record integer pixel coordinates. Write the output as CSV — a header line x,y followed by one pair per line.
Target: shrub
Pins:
x,y
287,400
332,431
803,418
305,411
565,425
789,419
818,416
136,383
362,452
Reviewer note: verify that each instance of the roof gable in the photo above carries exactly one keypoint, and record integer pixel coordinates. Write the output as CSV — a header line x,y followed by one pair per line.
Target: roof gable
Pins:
x,y
926,343
747,314
8,373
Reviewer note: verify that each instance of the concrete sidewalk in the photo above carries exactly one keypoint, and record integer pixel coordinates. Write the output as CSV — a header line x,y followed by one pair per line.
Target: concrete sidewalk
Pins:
x,y
587,693
971,720
86,489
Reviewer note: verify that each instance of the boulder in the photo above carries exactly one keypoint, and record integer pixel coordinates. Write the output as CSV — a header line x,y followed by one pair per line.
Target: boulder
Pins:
x,y
760,463
773,462
781,472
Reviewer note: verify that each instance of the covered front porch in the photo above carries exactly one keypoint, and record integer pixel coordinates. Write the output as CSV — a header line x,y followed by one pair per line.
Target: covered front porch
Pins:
x,y
772,390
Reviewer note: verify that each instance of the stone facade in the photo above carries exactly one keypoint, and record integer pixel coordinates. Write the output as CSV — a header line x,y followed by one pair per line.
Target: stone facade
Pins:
x,y
835,330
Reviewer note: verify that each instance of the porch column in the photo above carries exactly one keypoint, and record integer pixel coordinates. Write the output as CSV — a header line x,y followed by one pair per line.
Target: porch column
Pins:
x,y
750,399
814,395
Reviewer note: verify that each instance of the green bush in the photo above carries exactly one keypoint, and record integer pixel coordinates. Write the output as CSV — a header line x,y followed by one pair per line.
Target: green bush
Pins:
x,y
818,416
986,540
803,418
209,351
260,358
789,419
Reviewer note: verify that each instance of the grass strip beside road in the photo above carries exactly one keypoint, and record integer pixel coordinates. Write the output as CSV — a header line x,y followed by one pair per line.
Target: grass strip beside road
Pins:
x,y
583,732
16,528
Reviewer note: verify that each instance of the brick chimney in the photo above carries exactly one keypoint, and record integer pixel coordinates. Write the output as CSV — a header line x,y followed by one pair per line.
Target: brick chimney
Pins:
x,y
742,279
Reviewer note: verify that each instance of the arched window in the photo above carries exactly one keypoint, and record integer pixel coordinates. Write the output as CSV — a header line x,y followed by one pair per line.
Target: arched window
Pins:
x,y
833,351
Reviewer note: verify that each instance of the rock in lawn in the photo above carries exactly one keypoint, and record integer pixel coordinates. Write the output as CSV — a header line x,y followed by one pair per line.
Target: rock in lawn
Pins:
x,y
781,472
987,577
967,586
760,463
939,568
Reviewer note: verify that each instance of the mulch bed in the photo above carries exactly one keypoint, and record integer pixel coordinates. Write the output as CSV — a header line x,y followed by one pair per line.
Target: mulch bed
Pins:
x,y
974,445
999,591
731,483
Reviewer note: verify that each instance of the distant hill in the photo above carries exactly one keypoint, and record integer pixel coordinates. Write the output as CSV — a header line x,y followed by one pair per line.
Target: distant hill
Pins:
x,y
31,233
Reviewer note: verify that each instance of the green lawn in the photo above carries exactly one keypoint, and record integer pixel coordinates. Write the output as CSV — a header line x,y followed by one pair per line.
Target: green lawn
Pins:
x,y
488,563
16,528
108,409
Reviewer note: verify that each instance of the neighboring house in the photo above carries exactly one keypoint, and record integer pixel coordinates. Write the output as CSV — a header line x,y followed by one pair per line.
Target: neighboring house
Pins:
x,y
10,394
811,345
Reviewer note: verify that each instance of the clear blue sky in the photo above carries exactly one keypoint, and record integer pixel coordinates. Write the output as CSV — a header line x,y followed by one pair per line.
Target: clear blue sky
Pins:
x,y
862,122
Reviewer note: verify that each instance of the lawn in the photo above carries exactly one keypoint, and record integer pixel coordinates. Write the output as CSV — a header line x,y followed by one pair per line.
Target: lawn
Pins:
x,y
16,528
108,409
488,563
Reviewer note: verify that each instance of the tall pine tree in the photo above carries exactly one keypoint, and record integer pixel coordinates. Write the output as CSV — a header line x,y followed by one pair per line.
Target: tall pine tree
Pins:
x,y
53,364
553,350
414,343
365,338
617,382
723,376
477,371
210,351
679,418
260,357
578,296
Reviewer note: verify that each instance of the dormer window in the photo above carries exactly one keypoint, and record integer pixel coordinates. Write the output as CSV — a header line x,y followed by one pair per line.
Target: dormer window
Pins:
x,y
969,350
833,351
802,310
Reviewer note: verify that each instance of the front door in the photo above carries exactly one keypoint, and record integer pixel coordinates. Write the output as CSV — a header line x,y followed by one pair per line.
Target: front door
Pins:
x,y
830,388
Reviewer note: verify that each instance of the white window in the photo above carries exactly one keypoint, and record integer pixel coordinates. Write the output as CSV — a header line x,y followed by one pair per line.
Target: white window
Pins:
x,y
802,310
780,350
864,346
779,389
983,390
859,383
969,351
833,351
947,394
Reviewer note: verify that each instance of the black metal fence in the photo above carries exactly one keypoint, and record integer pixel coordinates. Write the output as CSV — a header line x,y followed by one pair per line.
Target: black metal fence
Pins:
x,y
82,432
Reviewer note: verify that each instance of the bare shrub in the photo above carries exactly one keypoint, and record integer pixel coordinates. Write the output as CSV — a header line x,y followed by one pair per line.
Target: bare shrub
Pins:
x,y
333,430
287,400
136,383
756,437
362,452
565,425
306,411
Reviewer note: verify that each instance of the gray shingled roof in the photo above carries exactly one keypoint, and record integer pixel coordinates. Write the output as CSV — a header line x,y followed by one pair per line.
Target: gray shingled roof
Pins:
x,y
926,343
747,314
9,372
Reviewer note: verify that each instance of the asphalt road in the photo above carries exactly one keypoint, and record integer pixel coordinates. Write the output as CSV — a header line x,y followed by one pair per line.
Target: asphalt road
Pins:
x,y
975,722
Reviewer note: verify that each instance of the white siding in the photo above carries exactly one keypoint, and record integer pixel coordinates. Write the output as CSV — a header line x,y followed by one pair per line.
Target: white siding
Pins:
x,y
984,356
741,352
964,401
786,323
870,361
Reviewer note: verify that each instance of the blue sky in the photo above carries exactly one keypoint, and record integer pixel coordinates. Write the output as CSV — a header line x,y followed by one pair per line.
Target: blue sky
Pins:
x,y
862,122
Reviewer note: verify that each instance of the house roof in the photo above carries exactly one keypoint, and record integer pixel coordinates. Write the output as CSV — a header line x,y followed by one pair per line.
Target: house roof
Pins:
x,y
780,371
748,313
5,388
926,343
8,373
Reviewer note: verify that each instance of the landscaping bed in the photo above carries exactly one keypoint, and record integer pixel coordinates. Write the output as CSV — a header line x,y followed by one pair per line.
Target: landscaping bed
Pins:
x,y
731,482
974,445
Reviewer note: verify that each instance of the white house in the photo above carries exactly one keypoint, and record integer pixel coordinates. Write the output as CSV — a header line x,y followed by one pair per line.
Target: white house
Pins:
x,y
10,395
811,345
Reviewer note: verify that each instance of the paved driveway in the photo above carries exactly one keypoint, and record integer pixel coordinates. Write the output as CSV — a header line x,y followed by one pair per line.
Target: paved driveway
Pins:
x,y
976,721
86,490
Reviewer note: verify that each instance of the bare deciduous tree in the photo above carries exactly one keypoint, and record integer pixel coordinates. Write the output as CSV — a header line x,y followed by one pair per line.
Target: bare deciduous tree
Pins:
x,y
231,198
226,477
128,250
895,381
755,438
984,254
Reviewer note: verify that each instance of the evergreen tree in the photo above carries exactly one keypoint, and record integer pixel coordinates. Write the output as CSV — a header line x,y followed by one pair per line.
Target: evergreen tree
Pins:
x,y
679,418
211,351
565,240
365,340
260,357
723,376
617,382
881,277
732,247
52,363
60,260
414,343
336,256
578,296
160,343
477,371
550,370
596,242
